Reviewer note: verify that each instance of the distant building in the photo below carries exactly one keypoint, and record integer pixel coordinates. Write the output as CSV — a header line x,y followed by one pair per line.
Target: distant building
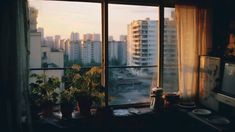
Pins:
x,y
49,41
96,37
91,52
33,14
123,38
122,52
91,37
142,45
41,30
67,47
110,38
35,50
57,42
62,44
34,40
74,36
74,50
87,37
96,52
113,50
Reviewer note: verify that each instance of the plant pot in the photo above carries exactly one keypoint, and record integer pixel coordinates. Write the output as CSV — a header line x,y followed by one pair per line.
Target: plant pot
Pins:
x,y
47,110
66,110
84,103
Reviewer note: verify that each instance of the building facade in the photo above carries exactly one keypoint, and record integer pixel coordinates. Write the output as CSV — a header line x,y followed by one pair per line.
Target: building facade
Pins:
x,y
142,45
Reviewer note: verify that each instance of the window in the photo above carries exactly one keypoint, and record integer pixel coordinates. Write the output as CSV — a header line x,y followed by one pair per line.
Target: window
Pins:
x,y
67,33
131,62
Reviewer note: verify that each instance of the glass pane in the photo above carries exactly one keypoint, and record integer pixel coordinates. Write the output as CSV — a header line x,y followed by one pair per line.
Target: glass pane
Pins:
x,y
64,33
132,42
170,64
125,87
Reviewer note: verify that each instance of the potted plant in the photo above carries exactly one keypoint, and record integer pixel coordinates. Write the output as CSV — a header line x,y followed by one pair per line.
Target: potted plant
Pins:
x,y
88,85
67,101
44,93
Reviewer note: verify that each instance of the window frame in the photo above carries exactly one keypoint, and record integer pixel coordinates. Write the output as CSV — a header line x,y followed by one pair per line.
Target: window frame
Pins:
x,y
161,4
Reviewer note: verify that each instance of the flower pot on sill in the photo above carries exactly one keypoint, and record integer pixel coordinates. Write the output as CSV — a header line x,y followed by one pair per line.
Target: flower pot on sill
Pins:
x,y
66,110
47,110
84,104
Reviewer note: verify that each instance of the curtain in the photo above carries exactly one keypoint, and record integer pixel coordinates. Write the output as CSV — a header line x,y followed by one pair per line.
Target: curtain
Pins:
x,y
193,39
13,66
204,30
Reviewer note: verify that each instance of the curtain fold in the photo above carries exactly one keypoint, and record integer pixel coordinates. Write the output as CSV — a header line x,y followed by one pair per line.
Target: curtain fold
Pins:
x,y
193,39
204,30
14,65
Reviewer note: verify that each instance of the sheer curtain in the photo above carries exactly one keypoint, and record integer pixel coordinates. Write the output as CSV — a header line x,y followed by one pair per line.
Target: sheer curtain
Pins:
x,y
193,39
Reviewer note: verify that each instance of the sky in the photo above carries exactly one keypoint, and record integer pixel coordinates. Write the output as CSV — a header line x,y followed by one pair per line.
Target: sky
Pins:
x,y
62,18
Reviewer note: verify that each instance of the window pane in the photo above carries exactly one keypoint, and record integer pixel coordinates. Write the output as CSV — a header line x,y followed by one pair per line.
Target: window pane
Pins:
x,y
64,33
125,87
170,64
132,42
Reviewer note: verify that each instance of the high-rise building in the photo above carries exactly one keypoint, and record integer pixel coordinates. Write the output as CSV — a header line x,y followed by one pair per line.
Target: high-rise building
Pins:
x,y
122,52
122,38
67,47
87,37
57,42
96,37
91,52
62,44
74,50
91,37
142,45
49,41
35,40
33,14
113,51
96,49
41,30
74,36
35,50
110,38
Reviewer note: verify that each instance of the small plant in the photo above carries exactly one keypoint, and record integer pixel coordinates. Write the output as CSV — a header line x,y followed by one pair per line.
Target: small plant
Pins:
x,y
68,101
68,95
87,83
44,91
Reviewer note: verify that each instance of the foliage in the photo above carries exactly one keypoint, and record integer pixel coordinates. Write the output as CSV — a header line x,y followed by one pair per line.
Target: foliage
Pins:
x,y
86,82
67,95
43,91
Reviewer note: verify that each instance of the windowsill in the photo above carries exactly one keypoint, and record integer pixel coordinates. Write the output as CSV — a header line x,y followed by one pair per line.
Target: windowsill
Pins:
x,y
205,119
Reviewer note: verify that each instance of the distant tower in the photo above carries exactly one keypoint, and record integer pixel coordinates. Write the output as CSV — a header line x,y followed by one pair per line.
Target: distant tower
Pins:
x,y
74,37
41,30
33,14
57,42
142,45
87,37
